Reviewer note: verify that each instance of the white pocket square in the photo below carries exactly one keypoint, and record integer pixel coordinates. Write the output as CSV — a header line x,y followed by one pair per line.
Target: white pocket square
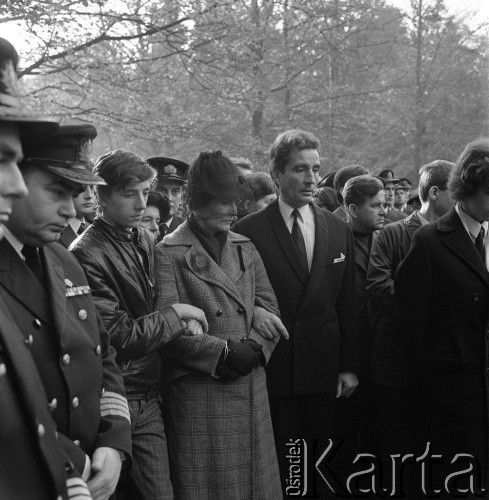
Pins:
x,y
341,258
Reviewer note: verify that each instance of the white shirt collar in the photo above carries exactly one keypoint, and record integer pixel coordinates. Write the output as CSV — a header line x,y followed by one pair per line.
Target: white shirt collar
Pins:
x,y
14,241
286,210
471,225
75,223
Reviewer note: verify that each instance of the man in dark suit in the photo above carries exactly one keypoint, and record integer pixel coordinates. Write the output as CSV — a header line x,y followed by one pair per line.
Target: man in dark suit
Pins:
x,y
32,464
47,293
442,289
310,260
170,180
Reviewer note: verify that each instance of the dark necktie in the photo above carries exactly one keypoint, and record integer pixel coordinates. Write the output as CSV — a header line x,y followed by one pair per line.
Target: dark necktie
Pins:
x,y
479,245
82,228
34,263
298,239
163,230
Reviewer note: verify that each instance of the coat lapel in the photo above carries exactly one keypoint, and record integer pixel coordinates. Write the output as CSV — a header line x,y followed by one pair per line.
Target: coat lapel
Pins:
x,y
67,236
457,241
203,266
18,280
285,240
57,289
232,263
319,258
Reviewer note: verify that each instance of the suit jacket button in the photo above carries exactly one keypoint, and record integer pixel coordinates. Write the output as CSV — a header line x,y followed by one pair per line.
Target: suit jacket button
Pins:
x,y
476,297
75,402
3,370
66,359
41,430
29,340
218,312
240,310
37,323
98,350
82,314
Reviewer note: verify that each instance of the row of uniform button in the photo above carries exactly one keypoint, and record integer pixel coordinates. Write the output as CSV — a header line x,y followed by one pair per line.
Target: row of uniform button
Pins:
x,y
82,314
239,311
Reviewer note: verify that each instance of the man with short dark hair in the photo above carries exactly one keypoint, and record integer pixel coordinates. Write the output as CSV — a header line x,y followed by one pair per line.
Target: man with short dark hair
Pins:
x,y
363,198
392,431
340,178
442,288
117,257
47,292
309,257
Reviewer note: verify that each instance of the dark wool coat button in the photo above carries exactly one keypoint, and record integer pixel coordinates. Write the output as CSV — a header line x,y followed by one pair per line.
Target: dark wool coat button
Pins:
x,y
218,312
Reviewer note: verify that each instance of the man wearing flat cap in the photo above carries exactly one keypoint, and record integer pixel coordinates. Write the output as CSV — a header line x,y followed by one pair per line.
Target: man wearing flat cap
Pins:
x,y
32,463
47,292
390,183
85,201
402,192
171,176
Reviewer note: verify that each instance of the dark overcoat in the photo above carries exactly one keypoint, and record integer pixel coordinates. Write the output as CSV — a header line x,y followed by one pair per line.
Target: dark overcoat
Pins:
x,y
318,311
220,437
71,349
388,251
442,288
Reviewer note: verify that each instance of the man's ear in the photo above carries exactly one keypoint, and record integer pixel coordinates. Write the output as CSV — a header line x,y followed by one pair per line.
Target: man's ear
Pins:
x,y
352,209
433,193
275,176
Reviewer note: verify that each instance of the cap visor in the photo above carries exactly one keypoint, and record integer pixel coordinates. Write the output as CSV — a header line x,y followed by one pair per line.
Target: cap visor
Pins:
x,y
80,176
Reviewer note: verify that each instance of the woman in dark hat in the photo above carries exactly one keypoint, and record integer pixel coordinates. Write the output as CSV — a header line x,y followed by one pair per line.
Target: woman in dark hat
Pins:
x,y
216,402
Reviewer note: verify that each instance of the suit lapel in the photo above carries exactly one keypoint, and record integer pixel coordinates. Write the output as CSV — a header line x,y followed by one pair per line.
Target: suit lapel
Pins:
x,y
319,258
57,289
285,240
456,239
67,236
18,280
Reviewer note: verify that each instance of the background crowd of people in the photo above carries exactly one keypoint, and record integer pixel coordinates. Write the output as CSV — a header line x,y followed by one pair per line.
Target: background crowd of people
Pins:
x,y
174,331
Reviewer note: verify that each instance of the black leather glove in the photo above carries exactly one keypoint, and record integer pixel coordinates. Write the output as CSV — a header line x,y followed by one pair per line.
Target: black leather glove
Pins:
x,y
225,373
258,348
242,357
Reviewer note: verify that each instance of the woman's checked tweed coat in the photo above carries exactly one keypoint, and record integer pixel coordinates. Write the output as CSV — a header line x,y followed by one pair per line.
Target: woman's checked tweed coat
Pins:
x,y
220,436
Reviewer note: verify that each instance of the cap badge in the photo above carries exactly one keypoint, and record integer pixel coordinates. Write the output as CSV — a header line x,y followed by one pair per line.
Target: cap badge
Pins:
x,y
170,169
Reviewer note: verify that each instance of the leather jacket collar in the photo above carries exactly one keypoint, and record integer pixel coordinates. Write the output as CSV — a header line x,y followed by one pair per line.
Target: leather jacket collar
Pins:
x,y
130,234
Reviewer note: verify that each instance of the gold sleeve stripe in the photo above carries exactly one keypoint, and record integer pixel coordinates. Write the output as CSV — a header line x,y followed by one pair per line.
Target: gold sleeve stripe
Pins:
x,y
113,404
77,489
